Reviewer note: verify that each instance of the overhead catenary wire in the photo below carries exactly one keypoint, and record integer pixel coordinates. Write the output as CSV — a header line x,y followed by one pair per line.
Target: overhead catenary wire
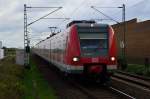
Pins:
x,y
73,12
138,3
104,14
57,18
130,7
26,35
44,16
41,7
107,7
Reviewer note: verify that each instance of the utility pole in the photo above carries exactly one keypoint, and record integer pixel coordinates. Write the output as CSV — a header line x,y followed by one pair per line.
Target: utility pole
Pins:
x,y
26,40
26,35
123,36
110,18
124,64
124,30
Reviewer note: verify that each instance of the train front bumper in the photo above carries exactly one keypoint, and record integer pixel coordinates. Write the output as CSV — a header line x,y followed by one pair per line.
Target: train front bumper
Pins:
x,y
111,67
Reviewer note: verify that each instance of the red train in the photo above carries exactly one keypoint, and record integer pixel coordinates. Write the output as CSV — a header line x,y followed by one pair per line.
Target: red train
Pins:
x,y
85,48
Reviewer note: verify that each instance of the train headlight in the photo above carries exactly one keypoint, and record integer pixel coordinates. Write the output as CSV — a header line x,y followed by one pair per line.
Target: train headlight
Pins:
x,y
75,59
92,25
112,59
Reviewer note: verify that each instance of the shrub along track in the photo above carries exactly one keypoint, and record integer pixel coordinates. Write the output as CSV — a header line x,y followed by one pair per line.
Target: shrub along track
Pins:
x,y
73,88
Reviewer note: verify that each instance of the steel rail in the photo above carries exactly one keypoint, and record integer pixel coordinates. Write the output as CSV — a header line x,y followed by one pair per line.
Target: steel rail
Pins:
x,y
134,75
121,92
92,96
133,79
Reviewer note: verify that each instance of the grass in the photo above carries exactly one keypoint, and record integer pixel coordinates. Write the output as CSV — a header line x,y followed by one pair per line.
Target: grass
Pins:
x,y
10,79
137,69
19,83
36,86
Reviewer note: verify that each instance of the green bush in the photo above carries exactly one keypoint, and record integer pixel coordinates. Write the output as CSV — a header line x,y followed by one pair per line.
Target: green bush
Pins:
x,y
137,69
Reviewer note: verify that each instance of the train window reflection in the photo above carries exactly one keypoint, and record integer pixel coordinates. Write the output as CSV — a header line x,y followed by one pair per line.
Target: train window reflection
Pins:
x,y
93,47
93,43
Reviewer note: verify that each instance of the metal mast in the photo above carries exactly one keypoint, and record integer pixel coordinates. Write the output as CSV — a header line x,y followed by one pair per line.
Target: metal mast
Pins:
x,y
124,30
26,36
26,40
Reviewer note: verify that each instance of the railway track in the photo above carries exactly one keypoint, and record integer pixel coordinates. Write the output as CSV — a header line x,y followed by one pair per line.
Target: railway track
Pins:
x,y
102,92
134,85
133,75
135,79
73,89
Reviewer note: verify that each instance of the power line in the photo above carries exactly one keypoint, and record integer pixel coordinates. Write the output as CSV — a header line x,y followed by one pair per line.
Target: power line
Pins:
x,y
74,11
100,19
104,14
41,7
107,7
57,18
44,16
26,33
138,3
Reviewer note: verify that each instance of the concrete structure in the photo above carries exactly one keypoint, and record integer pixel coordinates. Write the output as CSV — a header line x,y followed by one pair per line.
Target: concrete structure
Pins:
x,y
137,40
20,56
1,54
1,51
0,44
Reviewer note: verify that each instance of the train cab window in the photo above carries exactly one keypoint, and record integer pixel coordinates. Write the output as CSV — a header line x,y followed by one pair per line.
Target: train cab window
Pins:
x,y
93,41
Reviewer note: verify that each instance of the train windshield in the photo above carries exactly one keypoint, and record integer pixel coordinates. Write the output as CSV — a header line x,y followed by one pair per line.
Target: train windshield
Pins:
x,y
93,41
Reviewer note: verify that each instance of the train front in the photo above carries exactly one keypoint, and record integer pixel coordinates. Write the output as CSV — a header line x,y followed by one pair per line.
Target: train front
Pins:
x,y
94,49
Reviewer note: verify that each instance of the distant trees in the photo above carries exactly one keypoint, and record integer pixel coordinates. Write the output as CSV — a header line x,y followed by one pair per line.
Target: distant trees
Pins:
x,y
9,51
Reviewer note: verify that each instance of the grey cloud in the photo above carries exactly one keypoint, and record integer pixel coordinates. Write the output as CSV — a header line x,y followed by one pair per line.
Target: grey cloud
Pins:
x,y
11,16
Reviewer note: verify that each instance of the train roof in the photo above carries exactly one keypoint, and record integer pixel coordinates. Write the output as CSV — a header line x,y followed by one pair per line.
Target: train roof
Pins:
x,y
80,21
86,23
93,25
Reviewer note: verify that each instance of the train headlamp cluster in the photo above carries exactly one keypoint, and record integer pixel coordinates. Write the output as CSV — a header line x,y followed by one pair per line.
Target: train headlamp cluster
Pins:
x,y
92,25
75,59
112,58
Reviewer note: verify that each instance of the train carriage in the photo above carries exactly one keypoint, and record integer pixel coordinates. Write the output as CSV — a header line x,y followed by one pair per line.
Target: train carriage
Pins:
x,y
86,47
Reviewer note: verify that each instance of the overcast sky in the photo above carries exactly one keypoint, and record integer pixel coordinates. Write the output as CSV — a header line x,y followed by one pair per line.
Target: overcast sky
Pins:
x,y
11,16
